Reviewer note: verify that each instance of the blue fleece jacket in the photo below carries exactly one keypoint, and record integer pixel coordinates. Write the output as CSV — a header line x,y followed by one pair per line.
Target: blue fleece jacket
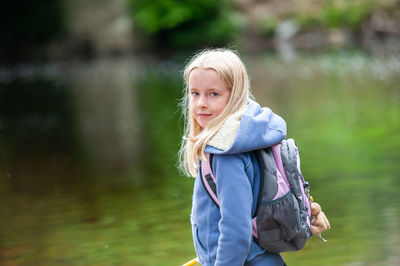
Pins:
x,y
223,236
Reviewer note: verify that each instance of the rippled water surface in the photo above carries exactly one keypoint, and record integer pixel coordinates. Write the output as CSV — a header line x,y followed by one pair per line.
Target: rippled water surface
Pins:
x,y
88,154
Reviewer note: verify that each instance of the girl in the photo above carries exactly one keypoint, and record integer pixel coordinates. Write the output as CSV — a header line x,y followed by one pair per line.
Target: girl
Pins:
x,y
222,119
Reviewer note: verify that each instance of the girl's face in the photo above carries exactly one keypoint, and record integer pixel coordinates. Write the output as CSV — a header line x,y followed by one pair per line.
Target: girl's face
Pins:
x,y
208,95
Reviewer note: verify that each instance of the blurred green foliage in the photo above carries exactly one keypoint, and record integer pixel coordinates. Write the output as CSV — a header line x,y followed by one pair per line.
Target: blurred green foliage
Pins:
x,y
337,14
325,14
349,13
187,24
268,25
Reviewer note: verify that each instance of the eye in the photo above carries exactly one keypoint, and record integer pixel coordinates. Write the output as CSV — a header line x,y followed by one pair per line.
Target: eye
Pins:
x,y
195,93
214,94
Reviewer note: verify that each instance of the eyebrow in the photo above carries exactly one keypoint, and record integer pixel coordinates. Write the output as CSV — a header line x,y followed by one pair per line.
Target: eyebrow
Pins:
x,y
208,89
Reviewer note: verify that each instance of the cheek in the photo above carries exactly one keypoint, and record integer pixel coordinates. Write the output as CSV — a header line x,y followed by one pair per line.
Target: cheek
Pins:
x,y
224,103
191,105
220,107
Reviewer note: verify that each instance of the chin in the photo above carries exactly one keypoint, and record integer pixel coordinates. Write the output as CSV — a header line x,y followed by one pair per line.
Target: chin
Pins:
x,y
204,124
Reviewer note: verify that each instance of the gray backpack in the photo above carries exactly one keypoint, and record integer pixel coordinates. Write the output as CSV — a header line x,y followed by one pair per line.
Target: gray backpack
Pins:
x,y
283,215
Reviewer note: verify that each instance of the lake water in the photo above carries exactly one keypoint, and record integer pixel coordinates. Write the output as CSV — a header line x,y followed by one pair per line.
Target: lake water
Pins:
x,y
88,153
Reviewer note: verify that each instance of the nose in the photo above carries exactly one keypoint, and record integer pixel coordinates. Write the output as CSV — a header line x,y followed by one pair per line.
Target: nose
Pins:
x,y
202,103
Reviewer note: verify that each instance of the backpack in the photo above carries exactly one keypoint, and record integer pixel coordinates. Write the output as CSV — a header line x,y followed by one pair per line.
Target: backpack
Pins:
x,y
282,217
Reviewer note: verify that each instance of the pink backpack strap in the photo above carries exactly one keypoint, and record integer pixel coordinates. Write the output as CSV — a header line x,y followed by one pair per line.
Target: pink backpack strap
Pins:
x,y
209,182
208,178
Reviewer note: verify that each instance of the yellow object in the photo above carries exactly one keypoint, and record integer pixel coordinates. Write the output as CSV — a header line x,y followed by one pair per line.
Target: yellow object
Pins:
x,y
311,198
192,262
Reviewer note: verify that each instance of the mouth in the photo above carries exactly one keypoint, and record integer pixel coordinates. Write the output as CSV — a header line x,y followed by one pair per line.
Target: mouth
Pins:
x,y
203,115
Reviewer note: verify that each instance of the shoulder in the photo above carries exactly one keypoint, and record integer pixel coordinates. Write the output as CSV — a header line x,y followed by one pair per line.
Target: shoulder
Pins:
x,y
231,160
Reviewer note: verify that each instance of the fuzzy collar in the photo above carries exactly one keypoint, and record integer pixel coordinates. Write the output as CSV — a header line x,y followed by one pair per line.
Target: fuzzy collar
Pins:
x,y
226,135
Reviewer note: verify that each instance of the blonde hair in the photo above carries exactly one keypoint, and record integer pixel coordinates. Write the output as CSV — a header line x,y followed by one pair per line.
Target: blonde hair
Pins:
x,y
232,71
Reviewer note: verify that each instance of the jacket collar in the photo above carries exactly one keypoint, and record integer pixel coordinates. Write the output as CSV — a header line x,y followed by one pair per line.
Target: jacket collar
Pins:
x,y
226,135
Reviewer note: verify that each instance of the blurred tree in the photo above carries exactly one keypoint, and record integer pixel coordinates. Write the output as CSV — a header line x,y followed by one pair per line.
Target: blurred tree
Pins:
x,y
26,26
186,24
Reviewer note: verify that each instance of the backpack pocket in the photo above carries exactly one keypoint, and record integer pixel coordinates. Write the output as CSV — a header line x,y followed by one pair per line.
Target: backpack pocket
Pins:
x,y
278,224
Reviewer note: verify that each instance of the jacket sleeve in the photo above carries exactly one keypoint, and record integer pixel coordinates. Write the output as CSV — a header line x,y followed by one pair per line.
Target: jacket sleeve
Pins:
x,y
235,197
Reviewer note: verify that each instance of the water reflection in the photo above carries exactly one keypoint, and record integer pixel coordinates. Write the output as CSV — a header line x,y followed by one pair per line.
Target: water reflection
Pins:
x,y
344,112
99,99
106,108
33,114
88,152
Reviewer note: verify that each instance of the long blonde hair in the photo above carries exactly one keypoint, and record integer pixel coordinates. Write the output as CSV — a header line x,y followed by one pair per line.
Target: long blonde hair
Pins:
x,y
232,71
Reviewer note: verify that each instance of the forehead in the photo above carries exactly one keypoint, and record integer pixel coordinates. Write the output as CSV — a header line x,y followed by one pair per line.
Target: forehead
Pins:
x,y
205,77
